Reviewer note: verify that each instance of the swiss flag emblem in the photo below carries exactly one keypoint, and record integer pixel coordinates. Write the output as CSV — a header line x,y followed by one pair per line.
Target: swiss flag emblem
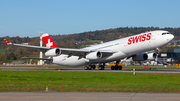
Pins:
x,y
49,42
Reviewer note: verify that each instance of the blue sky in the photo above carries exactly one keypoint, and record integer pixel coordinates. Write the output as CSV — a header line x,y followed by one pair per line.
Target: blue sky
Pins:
x,y
30,17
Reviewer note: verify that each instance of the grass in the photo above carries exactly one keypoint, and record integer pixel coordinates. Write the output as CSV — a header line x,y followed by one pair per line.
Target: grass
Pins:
x,y
2,51
88,81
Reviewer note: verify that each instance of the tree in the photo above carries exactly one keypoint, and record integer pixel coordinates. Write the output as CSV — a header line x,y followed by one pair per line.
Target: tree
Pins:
x,y
12,55
6,55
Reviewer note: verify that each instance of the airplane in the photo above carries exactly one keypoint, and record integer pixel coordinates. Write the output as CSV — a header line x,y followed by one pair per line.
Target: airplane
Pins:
x,y
133,46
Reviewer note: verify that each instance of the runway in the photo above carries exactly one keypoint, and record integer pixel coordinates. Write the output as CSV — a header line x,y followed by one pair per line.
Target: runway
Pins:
x,y
96,70
87,96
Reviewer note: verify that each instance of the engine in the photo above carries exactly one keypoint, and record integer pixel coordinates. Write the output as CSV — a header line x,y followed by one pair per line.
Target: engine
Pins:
x,y
151,56
53,52
94,55
140,57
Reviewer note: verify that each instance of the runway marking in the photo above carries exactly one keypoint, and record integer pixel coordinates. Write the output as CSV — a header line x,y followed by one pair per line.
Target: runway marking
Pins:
x,y
87,97
40,96
127,97
27,96
167,97
82,97
5,96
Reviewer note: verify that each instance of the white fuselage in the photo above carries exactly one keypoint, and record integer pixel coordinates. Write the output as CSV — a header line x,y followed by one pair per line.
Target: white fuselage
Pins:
x,y
124,47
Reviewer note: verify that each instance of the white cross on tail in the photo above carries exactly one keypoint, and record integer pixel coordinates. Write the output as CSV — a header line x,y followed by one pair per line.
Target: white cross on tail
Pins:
x,y
49,44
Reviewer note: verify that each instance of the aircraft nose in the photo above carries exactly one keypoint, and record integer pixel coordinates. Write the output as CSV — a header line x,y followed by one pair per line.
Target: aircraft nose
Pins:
x,y
171,37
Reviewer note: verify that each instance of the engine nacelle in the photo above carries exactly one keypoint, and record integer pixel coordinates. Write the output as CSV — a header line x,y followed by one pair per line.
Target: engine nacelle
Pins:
x,y
140,57
53,52
151,56
94,55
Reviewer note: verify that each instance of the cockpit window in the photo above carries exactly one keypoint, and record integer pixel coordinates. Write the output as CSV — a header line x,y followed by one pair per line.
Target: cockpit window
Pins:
x,y
165,33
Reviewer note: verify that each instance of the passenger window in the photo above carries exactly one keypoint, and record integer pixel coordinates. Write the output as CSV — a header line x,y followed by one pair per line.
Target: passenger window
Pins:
x,y
163,33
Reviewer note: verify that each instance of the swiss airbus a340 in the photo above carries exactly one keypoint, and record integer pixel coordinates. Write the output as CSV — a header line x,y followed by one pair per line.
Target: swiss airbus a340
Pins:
x,y
134,46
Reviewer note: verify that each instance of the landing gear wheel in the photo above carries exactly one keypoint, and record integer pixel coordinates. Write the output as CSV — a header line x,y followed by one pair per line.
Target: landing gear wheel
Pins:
x,y
89,68
120,67
112,67
101,67
93,66
86,68
116,67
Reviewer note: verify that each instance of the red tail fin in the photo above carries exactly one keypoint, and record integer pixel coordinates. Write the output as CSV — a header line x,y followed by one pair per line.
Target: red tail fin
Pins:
x,y
48,41
7,42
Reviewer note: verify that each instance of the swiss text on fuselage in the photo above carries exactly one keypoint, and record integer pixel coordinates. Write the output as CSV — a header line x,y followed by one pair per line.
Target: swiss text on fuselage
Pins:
x,y
140,38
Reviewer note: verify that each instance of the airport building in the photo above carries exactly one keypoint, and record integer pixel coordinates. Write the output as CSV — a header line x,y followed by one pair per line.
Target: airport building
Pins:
x,y
169,57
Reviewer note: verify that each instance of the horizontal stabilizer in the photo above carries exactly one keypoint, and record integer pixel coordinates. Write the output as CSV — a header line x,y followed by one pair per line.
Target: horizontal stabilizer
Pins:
x,y
36,58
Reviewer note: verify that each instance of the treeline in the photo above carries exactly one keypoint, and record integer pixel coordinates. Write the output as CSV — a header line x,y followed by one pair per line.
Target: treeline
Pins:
x,y
75,40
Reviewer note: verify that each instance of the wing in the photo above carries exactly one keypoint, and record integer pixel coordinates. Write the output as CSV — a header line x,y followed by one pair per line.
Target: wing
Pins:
x,y
68,51
27,46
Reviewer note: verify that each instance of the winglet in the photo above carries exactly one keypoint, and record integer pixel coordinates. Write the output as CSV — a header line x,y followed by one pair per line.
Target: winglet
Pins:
x,y
7,42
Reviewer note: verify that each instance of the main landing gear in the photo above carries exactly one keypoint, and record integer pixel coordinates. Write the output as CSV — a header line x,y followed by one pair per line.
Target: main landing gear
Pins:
x,y
101,66
89,67
116,66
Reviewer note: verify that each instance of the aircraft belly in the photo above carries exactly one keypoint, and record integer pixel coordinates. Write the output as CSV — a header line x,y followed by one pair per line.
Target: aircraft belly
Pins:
x,y
72,61
116,56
